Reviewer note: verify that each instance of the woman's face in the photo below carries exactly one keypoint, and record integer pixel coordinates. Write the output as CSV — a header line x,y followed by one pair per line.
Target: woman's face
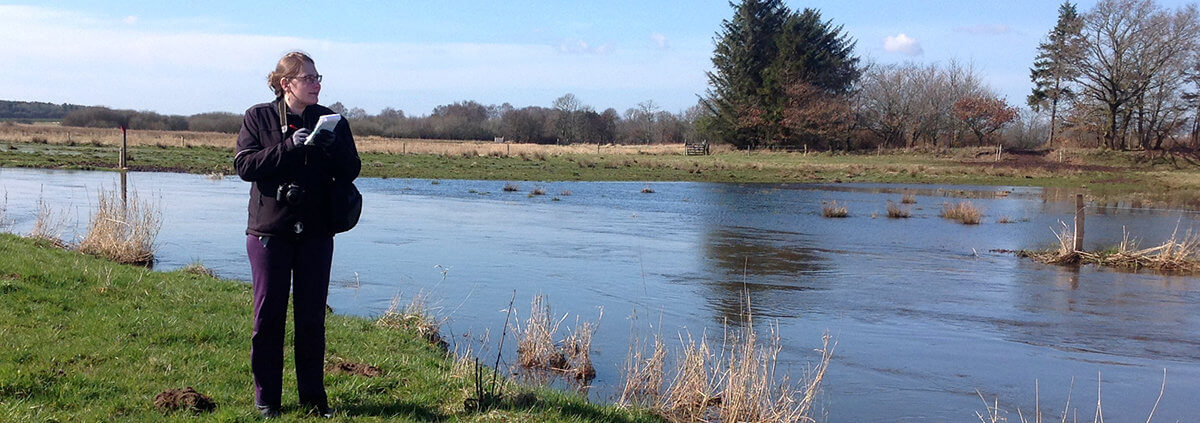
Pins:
x,y
305,87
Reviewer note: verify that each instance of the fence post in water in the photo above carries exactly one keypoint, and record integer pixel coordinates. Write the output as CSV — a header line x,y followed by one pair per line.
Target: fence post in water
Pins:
x,y
1078,222
123,148
124,190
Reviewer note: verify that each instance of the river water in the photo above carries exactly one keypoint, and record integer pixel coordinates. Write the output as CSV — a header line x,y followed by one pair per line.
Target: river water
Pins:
x,y
924,313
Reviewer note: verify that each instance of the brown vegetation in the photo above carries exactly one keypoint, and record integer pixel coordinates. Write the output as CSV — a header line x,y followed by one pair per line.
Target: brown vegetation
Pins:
x,y
417,316
833,209
1175,255
535,339
122,230
964,211
897,212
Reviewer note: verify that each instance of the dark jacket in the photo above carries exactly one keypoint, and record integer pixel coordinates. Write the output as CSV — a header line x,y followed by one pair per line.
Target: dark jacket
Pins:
x,y
267,158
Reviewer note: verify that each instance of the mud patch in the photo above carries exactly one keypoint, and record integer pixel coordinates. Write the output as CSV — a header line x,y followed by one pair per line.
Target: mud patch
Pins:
x,y
359,369
184,399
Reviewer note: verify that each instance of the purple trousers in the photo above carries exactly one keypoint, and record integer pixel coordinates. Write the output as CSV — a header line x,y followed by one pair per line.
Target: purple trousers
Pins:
x,y
303,267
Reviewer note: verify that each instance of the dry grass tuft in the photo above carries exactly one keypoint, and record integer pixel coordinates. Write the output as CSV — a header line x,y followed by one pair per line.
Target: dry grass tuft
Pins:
x,y
535,340
964,211
753,393
833,209
741,386
692,389
417,316
537,191
198,269
644,374
49,225
565,193
908,199
511,187
895,211
1004,219
577,348
647,190
4,213
122,230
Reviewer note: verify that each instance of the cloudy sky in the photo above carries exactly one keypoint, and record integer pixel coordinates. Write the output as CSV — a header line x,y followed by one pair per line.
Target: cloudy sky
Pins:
x,y
200,56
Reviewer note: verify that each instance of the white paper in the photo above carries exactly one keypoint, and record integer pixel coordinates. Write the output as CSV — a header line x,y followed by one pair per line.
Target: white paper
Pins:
x,y
324,123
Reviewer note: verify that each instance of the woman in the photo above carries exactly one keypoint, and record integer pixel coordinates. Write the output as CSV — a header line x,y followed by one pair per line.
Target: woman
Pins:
x,y
288,239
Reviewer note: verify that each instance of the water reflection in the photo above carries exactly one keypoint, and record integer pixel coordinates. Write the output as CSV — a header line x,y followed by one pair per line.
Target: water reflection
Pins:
x,y
771,267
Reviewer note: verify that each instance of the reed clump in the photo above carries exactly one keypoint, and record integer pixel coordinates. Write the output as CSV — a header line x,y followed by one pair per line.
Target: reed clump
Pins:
x,y
535,339
908,199
833,209
1178,254
738,383
964,212
643,373
418,316
577,348
895,211
511,187
122,230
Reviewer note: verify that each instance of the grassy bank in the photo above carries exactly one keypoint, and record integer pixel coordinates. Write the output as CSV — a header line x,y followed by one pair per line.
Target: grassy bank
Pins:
x,y
83,339
1147,178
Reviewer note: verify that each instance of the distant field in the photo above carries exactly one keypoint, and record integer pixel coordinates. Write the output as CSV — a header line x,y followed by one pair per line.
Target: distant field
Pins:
x,y
1148,178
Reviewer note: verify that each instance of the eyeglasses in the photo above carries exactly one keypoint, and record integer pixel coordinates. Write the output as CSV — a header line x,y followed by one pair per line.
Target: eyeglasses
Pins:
x,y
309,79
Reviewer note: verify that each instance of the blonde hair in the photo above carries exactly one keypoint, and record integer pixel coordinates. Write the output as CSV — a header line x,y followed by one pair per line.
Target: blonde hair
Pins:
x,y
289,65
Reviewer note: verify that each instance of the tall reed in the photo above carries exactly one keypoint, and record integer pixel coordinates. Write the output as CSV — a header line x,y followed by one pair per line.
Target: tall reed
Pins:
x,y
123,231
643,373
535,340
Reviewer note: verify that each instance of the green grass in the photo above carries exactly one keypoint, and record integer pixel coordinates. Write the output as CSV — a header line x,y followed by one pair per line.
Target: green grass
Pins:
x,y
86,340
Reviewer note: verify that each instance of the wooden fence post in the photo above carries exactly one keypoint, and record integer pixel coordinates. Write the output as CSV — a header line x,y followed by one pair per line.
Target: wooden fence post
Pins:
x,y
124,150
1078,222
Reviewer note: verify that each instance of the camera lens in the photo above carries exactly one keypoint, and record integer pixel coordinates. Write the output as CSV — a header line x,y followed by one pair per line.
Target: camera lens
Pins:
x,y
295,195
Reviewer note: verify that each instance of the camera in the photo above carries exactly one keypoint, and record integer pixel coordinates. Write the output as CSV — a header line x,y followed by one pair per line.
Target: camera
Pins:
x,y
290,194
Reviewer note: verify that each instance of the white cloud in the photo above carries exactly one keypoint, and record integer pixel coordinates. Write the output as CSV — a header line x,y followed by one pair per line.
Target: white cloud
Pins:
x,y
993,29
130,20
902,44
660,41
577,46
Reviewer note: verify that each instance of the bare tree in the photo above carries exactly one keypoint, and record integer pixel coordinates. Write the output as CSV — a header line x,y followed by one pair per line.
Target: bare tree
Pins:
x,y
1127,44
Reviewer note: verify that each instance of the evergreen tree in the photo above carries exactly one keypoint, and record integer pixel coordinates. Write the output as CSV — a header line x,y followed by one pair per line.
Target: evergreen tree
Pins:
x,y
746,47
1054,66
763,53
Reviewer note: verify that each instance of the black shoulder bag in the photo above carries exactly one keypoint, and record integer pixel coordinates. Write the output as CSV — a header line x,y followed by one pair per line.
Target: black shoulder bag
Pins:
x,y
346,207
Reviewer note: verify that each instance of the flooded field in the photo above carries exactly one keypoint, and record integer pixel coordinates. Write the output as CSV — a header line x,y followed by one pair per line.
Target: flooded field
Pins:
x,y
924,313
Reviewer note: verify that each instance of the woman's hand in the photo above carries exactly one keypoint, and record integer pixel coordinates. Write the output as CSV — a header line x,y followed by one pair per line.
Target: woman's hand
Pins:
x,y
299,138
323,139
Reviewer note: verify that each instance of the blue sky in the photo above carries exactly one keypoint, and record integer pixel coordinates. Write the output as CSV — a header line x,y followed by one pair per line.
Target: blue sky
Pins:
x,y
193,57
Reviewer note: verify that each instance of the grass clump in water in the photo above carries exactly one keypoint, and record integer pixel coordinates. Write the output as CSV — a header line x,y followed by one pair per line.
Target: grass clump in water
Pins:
x,y
833,209
895,211
964,212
